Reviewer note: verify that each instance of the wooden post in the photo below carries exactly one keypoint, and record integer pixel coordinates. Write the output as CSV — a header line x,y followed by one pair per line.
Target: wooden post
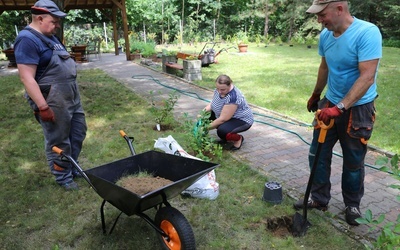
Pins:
x,y
115,29
125,24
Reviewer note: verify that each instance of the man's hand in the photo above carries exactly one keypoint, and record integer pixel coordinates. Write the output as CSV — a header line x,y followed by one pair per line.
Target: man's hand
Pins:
x,y
312,104
47,114
327,114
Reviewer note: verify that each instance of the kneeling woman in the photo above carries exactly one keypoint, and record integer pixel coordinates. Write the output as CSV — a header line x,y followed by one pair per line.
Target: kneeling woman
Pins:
x,y
230,113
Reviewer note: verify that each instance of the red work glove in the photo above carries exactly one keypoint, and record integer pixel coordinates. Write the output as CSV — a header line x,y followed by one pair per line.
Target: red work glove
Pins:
x,y
312,104
46,114
327,114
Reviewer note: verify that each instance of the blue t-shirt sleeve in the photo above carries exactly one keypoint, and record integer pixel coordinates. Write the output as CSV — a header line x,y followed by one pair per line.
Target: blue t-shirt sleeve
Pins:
x,y
370,46
26,51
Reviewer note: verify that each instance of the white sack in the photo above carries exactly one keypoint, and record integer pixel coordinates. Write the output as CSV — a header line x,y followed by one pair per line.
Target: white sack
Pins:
x,y
206,187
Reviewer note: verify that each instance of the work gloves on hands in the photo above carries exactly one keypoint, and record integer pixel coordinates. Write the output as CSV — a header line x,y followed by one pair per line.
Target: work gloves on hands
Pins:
x,y
327,114
312,104
47,114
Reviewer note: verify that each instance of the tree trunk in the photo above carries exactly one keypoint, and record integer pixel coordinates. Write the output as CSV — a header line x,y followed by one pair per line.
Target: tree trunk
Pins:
x,y
266,27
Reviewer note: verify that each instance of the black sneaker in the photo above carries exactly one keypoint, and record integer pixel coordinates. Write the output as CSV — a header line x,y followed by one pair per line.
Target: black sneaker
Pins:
x,y
70,186
76,174
352,213
310,205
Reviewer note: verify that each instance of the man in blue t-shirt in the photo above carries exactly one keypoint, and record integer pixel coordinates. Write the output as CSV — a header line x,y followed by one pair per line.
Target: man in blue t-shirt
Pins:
x,y
49,77
350,49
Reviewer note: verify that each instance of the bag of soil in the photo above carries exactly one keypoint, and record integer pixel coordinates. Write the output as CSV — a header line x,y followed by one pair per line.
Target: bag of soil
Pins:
x,y
206,187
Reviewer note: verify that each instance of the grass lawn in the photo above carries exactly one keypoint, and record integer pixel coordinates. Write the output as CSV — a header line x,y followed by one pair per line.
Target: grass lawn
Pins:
x,y
35,213
282,78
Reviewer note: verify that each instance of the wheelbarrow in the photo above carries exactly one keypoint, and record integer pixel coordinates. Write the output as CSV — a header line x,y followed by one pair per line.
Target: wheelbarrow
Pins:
x,y
173,229
209,56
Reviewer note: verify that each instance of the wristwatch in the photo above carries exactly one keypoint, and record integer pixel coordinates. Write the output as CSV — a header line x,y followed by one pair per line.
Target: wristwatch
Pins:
x,y
340,106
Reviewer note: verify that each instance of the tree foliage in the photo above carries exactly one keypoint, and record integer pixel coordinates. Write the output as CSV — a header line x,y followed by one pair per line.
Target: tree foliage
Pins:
x,y
207,20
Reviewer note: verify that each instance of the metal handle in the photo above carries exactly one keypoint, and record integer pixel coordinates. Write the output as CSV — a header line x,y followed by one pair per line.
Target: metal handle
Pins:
x,y
74,164
129,140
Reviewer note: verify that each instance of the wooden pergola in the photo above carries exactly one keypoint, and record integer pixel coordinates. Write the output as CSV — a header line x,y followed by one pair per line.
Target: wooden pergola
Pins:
x,y
67,5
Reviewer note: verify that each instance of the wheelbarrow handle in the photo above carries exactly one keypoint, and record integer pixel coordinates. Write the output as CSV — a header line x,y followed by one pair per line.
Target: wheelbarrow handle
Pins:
x,y
122,133
129,140
57,150
323,126
74,164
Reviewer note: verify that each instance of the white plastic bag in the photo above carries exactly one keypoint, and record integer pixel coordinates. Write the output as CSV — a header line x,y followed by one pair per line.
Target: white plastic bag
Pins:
x,y
206,187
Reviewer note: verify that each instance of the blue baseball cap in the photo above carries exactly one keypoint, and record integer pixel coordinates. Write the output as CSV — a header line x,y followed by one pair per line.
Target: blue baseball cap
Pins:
x,y
47,7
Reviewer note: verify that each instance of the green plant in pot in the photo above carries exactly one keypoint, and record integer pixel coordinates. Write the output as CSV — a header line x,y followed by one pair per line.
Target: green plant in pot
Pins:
x,y
243,41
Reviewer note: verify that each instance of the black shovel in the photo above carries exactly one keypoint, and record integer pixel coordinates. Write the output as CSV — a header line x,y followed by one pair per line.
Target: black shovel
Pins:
x,y
300,222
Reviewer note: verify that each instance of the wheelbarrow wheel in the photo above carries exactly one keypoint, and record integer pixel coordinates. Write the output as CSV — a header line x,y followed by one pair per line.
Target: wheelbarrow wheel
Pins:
x,y
176,226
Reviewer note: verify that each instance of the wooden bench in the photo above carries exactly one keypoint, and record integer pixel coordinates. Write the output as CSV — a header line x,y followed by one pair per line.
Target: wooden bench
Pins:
x,y
175,65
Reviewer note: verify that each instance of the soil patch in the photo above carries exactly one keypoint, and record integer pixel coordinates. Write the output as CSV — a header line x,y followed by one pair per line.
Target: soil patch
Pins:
x,y
141,185
280,226
164,127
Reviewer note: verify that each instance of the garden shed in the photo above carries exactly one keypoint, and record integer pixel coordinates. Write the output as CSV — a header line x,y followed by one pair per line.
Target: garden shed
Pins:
x,y
67,5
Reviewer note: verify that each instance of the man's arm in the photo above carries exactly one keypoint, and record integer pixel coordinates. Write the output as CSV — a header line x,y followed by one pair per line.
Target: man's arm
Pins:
x,y
322,77
363,83
27,76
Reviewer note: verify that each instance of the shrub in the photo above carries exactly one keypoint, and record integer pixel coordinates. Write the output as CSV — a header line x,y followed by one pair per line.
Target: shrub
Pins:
x,y
163,111
391,43
146,49
203,146
390,234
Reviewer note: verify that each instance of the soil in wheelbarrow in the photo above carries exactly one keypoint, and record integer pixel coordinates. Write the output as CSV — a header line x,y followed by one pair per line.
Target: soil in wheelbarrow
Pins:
x,y
142,184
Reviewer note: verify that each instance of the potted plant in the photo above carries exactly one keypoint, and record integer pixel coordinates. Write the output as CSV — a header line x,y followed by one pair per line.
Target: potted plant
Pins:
x,y
10,57
243,41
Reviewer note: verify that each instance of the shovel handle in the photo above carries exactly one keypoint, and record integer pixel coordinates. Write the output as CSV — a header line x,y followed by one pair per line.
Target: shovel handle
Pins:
x,y
323,126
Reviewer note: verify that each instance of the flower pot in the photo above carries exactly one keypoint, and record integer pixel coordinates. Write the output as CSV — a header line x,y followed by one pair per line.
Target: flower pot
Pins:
x,y
135,56
243,48
10,57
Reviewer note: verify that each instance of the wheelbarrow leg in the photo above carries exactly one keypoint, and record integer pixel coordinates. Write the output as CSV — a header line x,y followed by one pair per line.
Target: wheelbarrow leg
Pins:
x,y
103,222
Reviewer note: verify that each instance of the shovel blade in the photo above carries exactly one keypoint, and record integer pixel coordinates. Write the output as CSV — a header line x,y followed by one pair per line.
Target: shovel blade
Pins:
x,y
300,225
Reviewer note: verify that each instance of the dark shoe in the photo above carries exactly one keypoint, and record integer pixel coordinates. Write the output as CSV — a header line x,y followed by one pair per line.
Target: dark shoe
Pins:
x,y
352,213
70,186
221,142
76,174
237,148
310,205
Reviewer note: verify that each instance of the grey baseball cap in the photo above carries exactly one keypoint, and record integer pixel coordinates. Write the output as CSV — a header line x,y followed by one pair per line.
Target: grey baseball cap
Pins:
x,y
319,5
47,7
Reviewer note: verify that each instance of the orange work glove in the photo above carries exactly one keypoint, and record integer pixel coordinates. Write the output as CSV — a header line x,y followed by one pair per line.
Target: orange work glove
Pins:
x,y
327,114
47,114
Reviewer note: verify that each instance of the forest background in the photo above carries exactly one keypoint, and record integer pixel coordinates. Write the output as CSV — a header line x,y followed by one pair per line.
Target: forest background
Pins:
x,y
192,21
